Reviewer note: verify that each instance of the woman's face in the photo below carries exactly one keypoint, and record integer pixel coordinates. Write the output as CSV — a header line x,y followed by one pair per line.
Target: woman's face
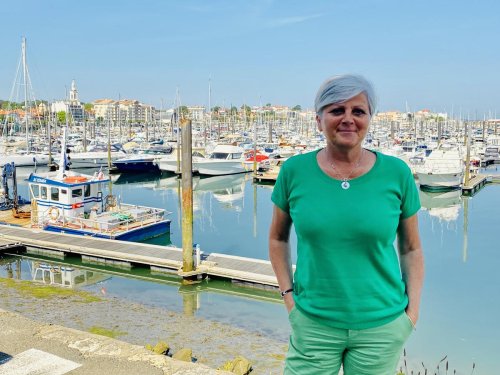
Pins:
x,y
345,124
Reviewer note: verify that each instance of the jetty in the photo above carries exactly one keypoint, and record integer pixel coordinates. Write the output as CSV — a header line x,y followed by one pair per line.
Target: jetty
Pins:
x,y
124,254
475,184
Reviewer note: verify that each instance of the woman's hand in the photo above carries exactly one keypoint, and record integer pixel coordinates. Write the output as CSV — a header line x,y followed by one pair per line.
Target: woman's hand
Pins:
x,y
289,302
413,315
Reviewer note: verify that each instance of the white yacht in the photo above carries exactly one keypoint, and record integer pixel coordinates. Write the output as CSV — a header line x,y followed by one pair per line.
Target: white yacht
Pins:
x,y
93,159
443,168
225,159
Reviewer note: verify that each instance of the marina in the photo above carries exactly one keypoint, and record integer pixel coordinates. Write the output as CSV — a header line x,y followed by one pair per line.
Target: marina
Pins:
x,y
231,217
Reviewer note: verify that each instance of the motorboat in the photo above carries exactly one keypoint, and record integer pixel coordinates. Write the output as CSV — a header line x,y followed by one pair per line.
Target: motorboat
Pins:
x,y
142,161
98,157
224,159
443,169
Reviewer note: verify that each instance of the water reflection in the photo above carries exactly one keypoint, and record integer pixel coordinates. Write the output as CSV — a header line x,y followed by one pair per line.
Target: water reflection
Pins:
x,y
65,276
443,205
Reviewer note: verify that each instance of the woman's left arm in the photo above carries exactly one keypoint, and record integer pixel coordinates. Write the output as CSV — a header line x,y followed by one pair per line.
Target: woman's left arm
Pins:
x,y
412,263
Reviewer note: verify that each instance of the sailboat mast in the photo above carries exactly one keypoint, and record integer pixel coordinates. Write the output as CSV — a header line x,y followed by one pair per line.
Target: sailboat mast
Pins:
x,y
210,111
25,74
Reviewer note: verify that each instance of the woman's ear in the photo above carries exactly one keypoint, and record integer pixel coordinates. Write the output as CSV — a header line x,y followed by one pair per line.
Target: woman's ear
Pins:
x,y
318,123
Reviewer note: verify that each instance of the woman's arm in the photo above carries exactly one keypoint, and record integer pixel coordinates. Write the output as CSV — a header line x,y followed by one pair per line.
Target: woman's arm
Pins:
x,y
279,252
412,263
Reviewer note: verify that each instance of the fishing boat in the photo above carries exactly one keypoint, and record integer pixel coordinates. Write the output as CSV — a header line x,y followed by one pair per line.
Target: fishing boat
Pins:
x,y
76,203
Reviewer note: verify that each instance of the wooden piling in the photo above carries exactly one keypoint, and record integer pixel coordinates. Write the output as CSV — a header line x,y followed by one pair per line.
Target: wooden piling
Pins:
x,y
187,197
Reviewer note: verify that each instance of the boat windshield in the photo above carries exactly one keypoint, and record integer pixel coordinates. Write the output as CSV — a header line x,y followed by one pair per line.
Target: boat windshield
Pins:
x,y
219,155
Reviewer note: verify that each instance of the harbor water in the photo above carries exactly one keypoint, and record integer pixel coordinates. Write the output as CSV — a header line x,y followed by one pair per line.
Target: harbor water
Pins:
x,y
460,308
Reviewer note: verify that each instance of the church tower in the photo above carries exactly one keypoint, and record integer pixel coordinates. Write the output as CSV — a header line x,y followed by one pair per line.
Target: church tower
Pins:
x,y
73,94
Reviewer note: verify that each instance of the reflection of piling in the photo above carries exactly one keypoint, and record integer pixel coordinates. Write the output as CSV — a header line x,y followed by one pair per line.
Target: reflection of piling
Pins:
x,y
255,210
190,300
466,228
187,197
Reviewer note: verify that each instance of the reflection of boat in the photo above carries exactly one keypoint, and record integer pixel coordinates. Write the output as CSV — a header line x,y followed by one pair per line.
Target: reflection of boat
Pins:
x,y
444,205
143,179
66,276
227,188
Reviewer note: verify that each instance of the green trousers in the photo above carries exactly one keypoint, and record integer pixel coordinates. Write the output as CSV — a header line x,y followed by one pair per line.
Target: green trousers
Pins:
x,y
317,349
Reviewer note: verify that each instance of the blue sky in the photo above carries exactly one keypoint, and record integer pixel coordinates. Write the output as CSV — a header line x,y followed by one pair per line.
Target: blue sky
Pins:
x,y
441,55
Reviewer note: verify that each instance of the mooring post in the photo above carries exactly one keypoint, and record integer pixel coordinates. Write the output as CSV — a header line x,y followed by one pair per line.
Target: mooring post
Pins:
x,y
467,156
187,198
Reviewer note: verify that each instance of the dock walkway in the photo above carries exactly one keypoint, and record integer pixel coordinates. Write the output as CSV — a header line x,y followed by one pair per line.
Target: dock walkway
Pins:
x,y
249,271
475,184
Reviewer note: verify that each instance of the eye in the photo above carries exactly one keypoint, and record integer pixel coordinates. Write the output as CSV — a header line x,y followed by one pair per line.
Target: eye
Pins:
x,y
358,112
337,111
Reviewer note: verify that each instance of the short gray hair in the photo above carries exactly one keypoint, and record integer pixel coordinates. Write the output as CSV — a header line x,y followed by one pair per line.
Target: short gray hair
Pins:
x,y
338,89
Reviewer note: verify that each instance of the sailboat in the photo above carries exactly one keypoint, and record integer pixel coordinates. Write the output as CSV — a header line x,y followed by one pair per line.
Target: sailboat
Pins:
x,y
24,157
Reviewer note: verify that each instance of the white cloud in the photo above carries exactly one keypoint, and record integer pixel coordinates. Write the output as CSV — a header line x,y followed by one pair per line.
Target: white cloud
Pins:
x,y
281,22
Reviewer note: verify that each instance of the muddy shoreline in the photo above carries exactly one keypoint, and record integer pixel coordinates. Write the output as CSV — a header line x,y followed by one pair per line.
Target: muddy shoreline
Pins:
x,y
212,342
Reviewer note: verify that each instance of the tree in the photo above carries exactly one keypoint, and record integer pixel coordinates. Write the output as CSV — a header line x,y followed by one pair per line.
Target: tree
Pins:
x,y
88,107
184,111
297,108
268,105
61,117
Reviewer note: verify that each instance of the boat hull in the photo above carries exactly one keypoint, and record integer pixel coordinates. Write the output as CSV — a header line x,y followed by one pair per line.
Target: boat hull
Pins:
x,y
136,166
220,167
29,160
441,181
135,235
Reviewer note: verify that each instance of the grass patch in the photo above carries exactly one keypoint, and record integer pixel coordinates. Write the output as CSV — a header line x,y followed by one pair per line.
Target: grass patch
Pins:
x,y
106,332
30,289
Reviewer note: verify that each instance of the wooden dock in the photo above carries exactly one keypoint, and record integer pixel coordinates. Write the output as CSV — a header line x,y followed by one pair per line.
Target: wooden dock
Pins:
x,y
6,245
113,253
266,177
475,184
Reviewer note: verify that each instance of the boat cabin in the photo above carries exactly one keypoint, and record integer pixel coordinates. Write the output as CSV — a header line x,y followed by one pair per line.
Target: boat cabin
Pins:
x,y
73,195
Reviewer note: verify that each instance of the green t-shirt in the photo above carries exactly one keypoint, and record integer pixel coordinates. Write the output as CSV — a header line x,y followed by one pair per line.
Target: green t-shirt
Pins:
x,y
347,273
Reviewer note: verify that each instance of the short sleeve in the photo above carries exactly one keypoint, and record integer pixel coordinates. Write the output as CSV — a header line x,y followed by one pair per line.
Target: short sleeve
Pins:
x,y
281,189
411,200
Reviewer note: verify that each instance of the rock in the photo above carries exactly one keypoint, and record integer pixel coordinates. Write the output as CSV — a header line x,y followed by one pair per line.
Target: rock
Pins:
x,y
227,366
240,366
161,348
184,354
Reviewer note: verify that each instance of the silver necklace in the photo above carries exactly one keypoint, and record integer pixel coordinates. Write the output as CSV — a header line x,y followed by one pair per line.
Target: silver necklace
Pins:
x,y
345,180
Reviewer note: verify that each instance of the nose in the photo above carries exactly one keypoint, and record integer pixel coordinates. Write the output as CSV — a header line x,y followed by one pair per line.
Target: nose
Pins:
x,y
347,118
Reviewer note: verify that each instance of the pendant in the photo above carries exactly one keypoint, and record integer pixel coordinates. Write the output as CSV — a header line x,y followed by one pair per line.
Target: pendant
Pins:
x,y
345,185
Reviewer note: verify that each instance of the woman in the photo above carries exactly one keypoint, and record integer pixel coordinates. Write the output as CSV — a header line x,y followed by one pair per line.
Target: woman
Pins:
x,y
350,301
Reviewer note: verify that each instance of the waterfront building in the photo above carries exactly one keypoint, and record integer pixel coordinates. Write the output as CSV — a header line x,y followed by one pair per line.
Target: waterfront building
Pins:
x,y
71,105
125,111
196,112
